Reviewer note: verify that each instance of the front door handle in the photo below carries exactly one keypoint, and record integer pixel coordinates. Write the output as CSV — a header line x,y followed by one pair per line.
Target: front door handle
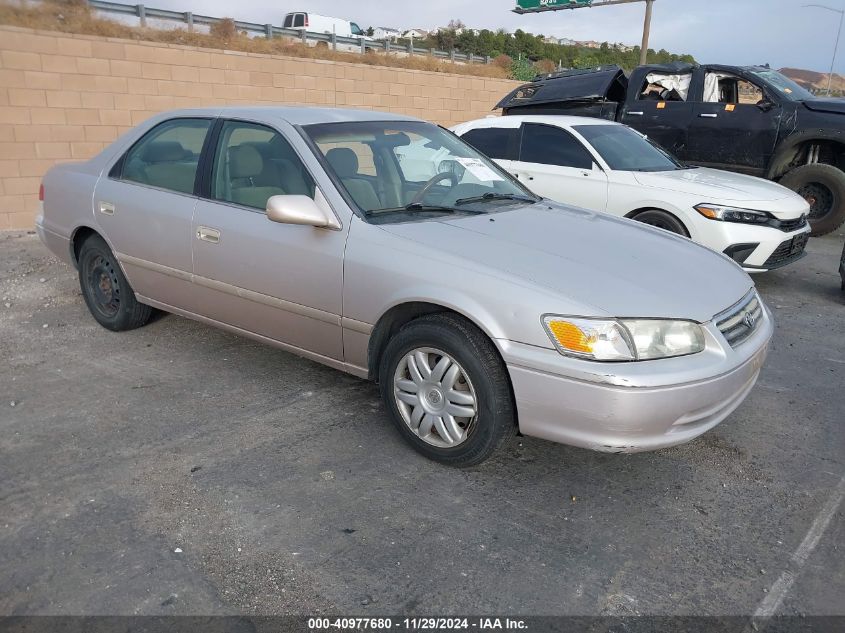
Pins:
x,y
636,113
706,115
208,235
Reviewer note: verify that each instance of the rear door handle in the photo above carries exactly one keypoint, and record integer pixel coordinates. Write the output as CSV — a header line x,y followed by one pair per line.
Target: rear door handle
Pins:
x,y
208,235
705,115
635,113
106,207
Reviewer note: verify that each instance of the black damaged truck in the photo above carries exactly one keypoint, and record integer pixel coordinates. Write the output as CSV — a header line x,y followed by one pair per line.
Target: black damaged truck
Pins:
x,y
749,119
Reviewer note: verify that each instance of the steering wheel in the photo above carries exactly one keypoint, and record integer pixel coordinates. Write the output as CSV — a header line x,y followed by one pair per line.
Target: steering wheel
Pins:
x,y
431,182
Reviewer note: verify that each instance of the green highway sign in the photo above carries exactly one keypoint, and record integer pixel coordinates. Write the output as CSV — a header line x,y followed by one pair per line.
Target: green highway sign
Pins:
x,y
532,6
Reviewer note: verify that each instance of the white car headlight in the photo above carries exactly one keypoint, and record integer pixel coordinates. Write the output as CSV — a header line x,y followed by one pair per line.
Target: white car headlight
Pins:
x,y
733,214
623,339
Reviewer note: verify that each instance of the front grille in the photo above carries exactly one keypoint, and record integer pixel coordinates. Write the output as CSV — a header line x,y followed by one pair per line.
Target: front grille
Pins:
x,y
788,251
739,322
787,226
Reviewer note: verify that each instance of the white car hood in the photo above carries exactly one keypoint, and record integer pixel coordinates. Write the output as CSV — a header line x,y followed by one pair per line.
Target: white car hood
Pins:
x,y
715,186
619,266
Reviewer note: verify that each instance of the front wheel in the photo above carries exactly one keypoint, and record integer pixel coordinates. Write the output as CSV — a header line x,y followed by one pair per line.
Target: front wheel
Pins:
x,y
106,291
823,187
662,220
447,390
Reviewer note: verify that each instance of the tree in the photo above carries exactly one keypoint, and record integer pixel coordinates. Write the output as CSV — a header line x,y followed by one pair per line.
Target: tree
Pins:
x,y
370,31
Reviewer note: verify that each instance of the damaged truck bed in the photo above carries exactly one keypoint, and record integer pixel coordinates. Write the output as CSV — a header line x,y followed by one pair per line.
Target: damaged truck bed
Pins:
x,y
749,119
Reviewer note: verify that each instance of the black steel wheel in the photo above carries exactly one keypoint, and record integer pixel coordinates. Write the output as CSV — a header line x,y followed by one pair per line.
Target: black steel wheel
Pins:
x,y
823,187
106,291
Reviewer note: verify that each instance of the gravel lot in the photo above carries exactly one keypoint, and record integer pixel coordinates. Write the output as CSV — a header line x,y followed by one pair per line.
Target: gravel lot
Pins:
x,y
178,469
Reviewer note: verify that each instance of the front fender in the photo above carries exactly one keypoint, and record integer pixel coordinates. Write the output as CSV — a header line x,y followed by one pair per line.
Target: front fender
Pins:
x,y
786,150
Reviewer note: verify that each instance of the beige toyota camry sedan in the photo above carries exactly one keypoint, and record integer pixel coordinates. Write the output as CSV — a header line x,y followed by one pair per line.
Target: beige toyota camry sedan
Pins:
x,y
480,309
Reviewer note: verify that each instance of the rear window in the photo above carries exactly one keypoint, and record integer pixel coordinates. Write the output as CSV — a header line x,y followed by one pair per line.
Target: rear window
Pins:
x,y
547,145
288,21
495,142
167,157
299,20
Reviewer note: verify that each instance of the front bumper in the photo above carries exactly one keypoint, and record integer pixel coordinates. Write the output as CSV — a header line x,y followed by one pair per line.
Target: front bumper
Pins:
x,y
774,248
632,407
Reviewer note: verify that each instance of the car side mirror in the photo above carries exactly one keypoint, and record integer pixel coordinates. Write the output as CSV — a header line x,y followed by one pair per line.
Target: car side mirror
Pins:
x,y
765,105
300,210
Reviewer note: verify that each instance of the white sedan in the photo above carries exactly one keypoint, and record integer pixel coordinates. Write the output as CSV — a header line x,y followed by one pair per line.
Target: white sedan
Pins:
x,y
605,166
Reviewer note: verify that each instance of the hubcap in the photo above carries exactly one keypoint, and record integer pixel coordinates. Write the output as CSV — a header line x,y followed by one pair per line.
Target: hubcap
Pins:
x,y
819,197
104,285
435,397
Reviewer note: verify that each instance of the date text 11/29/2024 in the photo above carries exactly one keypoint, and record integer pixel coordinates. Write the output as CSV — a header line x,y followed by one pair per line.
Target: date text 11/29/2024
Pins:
x,y
416,624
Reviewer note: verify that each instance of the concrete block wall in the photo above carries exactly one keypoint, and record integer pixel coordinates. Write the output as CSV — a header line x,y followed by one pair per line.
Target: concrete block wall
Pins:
x,y
64,97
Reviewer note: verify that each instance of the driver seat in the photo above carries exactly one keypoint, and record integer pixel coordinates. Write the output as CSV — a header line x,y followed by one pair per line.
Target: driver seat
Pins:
x,y
345,164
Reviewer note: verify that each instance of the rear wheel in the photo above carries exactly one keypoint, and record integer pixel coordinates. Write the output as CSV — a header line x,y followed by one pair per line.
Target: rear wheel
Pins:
x,y
106,291
447,390
823,187
662,220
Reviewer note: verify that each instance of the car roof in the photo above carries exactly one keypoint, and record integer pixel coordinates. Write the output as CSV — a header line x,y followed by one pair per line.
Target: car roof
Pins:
x,y
292,115
559,120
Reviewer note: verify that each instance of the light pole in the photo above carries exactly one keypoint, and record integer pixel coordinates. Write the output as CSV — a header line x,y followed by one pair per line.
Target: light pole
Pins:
x,y
835,46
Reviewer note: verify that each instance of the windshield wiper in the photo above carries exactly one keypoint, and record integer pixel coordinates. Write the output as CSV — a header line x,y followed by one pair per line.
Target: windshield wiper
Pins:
x,y
494,196
419,206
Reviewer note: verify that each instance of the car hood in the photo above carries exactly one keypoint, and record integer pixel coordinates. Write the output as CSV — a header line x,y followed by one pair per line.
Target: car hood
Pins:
x,y
835,106
714,185
608,265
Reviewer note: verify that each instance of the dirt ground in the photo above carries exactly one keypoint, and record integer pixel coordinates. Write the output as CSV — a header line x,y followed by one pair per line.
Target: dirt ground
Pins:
x,y
178,469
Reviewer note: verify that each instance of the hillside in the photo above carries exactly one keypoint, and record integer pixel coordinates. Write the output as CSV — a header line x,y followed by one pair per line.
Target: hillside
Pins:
x,y
815,81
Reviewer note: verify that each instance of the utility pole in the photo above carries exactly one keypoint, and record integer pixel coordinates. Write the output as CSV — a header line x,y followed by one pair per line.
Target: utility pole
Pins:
x,y
646,32
835,46
538,6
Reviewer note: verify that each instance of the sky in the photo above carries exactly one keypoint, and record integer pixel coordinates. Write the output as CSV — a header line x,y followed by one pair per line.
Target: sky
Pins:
x,y
781,33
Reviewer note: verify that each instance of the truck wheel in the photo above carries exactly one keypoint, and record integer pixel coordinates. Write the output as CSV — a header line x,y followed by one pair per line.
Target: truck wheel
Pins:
x,y
662,220
823,186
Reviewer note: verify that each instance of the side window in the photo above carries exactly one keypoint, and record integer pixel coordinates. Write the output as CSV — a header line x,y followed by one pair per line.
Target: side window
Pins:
x,y
549,145
725,88
253,163
495,142
299,20
167,156
665,87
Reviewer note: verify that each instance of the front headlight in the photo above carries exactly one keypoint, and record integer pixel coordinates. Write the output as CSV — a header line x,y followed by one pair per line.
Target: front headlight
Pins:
x,y
623,339
733,214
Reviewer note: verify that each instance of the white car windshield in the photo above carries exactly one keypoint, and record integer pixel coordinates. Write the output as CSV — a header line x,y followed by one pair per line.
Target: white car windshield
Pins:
x,y
398,170
623,149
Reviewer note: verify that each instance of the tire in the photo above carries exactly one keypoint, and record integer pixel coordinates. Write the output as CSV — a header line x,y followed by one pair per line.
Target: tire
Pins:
x,y
476,374
662,220
106,291
823,186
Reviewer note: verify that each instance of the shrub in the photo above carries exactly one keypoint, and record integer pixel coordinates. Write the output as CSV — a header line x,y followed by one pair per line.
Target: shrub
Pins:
x,y
503,61
523,70
224,30
545,66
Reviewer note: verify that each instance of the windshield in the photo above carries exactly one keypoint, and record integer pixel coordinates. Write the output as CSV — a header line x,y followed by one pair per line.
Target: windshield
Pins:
x,y
399,170
623,149
784,86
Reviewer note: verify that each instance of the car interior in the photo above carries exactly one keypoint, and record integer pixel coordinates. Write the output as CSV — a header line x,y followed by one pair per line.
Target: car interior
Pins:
x,y
664,87
250,171
165,164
